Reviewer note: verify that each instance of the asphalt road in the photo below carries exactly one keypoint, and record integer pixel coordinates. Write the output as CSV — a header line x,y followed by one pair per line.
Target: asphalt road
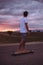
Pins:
x,y
35,58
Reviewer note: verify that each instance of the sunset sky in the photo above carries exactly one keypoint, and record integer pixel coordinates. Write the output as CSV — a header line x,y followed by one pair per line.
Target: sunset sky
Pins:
x,y
11,12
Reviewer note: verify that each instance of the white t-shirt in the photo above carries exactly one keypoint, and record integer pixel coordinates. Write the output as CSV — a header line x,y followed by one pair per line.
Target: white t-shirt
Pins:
x,y
22,25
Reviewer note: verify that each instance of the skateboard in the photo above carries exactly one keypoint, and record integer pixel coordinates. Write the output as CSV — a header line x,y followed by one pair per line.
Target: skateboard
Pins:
x,y
22,52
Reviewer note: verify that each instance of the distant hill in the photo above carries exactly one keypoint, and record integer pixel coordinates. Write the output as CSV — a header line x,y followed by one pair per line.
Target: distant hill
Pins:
x,y
36,30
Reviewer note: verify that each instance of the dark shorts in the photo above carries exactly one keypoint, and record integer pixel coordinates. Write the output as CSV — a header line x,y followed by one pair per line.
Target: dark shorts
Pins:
x,y
23,36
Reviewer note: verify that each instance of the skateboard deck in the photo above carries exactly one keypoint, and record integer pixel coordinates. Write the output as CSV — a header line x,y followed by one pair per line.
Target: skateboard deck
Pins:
x,y
22,52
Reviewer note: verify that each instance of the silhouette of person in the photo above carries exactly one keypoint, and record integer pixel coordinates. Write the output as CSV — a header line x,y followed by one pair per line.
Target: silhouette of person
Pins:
x,y
23,30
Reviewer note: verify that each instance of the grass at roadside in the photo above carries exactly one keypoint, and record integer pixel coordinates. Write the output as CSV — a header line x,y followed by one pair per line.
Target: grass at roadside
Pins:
x,y
15,38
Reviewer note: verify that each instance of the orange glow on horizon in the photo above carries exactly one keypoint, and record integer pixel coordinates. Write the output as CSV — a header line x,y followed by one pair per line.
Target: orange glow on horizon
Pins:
x,y
17,29
9,30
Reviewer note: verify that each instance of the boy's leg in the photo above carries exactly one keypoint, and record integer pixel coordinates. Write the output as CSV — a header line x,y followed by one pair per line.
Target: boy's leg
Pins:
x,y
22,44
23,41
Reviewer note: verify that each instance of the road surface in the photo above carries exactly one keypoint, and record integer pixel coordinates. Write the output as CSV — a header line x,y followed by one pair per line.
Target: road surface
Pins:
x,y
28,59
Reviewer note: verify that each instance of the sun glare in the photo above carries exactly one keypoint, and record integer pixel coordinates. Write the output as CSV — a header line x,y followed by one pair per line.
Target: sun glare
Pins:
x,y
9,30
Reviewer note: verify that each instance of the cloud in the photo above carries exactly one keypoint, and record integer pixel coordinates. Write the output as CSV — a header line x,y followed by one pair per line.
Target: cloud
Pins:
x,y
11,12
17,7
8,19
5,27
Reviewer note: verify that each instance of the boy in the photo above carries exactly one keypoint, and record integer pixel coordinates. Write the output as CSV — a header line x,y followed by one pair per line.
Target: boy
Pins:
x,y
23,30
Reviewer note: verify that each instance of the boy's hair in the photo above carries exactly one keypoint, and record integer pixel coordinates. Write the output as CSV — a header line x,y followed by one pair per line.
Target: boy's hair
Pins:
x,y
25,13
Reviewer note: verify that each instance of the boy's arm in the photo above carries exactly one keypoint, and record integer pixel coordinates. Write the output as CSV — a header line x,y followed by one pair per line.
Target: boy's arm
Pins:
x,y
26,25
